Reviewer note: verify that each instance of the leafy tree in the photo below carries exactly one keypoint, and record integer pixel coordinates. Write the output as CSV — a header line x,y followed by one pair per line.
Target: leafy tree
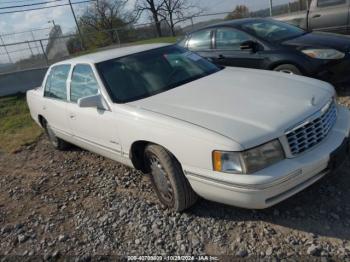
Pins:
x,y
241,11
99,22
177,11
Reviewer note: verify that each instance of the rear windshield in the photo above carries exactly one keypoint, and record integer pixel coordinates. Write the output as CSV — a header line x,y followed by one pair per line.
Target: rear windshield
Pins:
x,y
151,72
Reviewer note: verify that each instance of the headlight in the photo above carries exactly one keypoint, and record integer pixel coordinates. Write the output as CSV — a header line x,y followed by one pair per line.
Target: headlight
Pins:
x,y
249,161
324,53
263,156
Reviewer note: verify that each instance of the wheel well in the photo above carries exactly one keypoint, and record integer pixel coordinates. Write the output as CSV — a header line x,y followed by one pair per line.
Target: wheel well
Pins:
x,y
137,151
42,121
279,63
136,155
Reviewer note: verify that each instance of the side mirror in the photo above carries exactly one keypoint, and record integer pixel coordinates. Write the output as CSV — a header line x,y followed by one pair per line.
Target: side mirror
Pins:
x,y
210,59
249,45
93,101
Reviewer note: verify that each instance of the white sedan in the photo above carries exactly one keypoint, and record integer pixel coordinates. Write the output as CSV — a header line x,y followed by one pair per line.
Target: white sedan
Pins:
x,y
248,138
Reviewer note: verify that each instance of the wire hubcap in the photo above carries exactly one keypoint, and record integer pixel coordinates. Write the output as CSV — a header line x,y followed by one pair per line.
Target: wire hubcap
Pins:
x,y
161,179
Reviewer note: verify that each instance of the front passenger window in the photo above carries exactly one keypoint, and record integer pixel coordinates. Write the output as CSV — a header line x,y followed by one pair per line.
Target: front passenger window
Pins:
x,y
83,83
230,39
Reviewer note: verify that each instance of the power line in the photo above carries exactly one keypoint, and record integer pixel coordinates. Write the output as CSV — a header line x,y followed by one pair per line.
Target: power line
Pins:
x,y
46,7
17,1
18,6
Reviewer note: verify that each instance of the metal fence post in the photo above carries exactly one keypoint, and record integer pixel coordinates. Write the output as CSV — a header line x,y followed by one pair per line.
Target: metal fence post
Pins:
x,y
30,48
116,31
43,50
77,24
7,52
271,7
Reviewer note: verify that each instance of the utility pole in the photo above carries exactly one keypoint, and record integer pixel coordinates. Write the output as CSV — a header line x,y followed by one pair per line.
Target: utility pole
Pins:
x,y
7,52
271,8
76,22
53,22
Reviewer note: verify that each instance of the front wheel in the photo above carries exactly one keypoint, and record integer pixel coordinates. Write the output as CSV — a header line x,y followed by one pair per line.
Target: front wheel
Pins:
x,y
168,179
288,69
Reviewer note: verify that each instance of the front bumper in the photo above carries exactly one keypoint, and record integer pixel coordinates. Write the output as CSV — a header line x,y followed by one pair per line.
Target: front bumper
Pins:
x,y
333,71
280,181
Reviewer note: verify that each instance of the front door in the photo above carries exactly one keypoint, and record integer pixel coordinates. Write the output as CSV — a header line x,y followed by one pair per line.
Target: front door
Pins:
x,y
95,129
228,51
329,16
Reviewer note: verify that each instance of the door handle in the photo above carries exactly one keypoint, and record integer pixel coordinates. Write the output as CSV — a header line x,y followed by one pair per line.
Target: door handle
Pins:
x,y
71,116
316,16
221,57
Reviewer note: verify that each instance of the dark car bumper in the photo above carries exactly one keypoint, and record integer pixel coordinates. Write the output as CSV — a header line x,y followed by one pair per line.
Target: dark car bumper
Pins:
x,y
339,156
333,71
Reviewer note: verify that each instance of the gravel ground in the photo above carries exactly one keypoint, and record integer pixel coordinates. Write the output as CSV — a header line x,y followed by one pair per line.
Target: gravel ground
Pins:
x,y
75,203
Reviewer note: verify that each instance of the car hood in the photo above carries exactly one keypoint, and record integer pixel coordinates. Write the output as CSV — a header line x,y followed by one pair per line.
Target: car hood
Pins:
x,y
321,40
248,106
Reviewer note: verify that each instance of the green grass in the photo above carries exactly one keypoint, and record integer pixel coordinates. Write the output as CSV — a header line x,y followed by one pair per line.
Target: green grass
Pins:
x,y
16,126
170,39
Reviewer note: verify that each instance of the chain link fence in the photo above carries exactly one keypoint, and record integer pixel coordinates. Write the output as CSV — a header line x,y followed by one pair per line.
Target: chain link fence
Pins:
x,y
52,45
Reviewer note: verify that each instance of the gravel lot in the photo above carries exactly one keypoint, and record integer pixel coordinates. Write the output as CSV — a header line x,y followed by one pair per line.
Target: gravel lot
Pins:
x,y
75,203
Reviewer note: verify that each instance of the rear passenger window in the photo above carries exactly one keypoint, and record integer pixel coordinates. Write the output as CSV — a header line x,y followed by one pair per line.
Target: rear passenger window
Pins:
x,y
83,83
200,40
56,83
325,3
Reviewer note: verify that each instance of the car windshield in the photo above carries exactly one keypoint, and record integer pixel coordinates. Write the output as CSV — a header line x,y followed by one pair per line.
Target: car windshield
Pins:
x,y
272,31
145,74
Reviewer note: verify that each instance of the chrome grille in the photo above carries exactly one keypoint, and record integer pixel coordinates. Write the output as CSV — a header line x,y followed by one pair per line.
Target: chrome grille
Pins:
x,y
312,132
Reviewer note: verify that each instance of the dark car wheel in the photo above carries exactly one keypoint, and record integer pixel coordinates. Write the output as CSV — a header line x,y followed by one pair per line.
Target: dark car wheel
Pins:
x,y
168,179
288,69
56,142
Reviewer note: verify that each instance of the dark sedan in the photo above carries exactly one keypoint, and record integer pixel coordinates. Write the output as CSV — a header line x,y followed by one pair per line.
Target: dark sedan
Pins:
x,y
273,45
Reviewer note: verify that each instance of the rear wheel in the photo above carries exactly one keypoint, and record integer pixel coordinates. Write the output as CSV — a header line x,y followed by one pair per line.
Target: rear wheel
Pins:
x,y
168,179
288,69
56,142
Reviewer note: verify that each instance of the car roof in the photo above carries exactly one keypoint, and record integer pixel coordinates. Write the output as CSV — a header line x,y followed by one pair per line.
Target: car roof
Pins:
x,y
111,54
233,23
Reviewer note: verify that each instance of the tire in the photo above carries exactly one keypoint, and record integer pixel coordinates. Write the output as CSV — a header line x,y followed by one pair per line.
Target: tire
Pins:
x,y
168,180
288,69
56,142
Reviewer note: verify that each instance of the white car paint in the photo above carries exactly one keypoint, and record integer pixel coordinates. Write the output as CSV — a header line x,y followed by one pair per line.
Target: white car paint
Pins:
x,y
232,110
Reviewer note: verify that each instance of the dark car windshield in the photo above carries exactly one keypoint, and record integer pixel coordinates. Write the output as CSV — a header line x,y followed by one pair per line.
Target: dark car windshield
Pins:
x,y
271,30
144,74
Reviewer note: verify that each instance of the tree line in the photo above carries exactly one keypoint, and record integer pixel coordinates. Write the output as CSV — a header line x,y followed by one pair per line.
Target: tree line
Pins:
x,y
99,22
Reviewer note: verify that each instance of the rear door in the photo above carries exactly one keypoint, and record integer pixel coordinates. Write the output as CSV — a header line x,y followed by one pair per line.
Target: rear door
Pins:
x,y
329,16
55,102
227,49
95,128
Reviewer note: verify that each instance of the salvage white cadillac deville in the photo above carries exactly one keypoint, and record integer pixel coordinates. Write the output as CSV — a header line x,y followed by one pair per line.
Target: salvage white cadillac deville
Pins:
x,y
243,137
